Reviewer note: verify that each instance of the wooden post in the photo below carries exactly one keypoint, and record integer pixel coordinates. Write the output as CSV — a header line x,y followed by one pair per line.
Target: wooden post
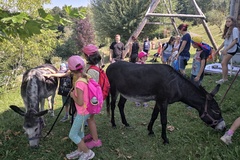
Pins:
x,y
136,33
198,10
172,19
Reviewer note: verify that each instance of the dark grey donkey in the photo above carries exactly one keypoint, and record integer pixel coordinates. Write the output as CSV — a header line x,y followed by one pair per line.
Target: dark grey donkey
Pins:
x,y
162,84
34,89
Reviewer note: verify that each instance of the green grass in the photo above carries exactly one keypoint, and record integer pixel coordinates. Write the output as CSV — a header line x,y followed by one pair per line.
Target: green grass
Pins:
x,y
191,139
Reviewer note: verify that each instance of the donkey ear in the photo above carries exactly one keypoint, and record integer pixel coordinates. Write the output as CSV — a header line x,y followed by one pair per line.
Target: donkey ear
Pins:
x,y
215,90
17,110
41,113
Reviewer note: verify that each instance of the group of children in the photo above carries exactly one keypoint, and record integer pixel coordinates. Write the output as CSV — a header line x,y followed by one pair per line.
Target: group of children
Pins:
x,y
77,69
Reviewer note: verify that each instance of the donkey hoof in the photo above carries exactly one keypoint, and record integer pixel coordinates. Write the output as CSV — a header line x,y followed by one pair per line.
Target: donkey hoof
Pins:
x,y
151,133
165,142
127,125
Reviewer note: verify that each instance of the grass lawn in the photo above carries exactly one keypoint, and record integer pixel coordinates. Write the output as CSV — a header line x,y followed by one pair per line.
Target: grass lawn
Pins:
x,y
191,139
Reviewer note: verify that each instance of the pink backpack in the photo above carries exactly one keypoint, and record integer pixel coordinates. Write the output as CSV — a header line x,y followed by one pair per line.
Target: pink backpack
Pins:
x,y
95,95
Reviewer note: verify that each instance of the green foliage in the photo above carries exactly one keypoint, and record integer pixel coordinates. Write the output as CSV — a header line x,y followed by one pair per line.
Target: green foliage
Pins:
x,y
215,20
117,17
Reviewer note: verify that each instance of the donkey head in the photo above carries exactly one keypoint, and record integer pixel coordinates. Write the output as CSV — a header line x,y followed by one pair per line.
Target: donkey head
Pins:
x,y
33,124
211,113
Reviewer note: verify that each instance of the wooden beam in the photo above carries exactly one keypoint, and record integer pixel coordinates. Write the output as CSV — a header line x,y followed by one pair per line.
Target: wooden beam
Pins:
x,y
136,33
159,23
204,23
175,15
172,19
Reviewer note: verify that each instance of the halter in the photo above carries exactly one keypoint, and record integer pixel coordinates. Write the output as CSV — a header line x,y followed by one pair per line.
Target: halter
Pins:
x,y
205,113
38,136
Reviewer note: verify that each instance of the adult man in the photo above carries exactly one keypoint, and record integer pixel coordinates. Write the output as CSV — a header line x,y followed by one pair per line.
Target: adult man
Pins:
x,y
116,50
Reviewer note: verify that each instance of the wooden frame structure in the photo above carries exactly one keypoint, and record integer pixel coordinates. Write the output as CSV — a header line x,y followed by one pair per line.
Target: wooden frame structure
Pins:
x,y
153,6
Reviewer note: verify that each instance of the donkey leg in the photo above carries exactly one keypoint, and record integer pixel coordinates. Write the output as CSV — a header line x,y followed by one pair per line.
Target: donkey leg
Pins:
x,y
163,116
121,105
113,106
153,118
42,102
50,105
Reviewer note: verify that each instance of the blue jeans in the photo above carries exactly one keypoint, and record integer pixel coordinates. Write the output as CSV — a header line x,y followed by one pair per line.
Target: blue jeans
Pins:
x,y
76,133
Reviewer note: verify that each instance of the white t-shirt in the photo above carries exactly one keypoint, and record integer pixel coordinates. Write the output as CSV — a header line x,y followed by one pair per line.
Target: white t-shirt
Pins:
x,y
228,41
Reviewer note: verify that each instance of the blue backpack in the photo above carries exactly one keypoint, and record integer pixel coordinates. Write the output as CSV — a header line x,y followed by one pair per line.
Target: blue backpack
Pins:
x,y
207,49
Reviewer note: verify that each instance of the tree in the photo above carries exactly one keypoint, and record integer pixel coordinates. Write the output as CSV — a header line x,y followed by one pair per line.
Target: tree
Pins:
x,y
84,33
113,17
216,20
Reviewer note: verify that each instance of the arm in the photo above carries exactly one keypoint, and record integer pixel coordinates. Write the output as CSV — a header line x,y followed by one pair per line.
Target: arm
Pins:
x,y
181,48
203,61
219,48
58,75
79,98
49,69
110,55
230,46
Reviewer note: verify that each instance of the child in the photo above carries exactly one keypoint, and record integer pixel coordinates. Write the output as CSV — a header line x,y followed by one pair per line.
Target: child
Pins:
x,y
156,55
167,50
93,59
231,37
80,97
227,137
64,88
199,61
142,57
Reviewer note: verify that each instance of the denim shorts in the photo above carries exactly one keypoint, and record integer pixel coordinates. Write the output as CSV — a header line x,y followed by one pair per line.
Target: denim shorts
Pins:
x,y
182,60
166,57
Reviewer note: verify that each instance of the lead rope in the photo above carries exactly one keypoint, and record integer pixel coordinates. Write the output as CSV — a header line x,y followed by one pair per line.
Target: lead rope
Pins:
x,y
229,87
68,96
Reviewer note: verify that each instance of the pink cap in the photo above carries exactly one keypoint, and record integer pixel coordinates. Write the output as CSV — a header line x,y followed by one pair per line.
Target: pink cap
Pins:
x,y
75,63
142,54
90,49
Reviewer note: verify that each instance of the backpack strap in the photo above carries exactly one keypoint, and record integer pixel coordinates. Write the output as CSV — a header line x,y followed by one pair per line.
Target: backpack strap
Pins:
x,y
94,67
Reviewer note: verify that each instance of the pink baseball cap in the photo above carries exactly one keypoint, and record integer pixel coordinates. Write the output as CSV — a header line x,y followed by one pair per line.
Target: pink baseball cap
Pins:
x,y
76,62
142,54
90,49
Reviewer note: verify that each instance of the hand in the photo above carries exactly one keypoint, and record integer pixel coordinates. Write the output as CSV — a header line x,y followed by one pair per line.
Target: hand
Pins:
x,y
224,52
196,79
72,94
110,59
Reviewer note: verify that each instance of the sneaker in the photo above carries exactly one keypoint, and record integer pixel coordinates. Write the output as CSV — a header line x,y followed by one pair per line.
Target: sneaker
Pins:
x,y
51,112
86,156
74,154
226,139
87,138
221,81
64,119
91,144
137,104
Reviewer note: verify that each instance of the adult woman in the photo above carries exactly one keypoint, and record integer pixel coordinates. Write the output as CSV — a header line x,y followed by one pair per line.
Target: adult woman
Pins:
x,y
133,50
183,54
230,36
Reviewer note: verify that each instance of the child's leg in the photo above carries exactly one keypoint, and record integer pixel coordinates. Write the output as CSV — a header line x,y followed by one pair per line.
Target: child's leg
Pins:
x,y
92,127
234,126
